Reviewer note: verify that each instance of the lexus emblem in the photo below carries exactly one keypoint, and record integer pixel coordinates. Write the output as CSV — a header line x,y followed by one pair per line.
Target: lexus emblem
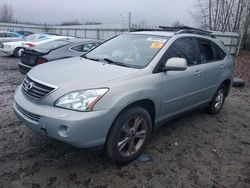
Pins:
x,y
30,85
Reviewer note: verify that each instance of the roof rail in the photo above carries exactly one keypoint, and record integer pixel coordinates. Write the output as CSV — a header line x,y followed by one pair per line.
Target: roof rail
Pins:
x,y
186,29
180,30
135,30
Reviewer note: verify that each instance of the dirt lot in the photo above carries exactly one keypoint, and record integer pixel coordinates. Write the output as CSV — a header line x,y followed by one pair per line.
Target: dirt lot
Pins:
x,y
196,150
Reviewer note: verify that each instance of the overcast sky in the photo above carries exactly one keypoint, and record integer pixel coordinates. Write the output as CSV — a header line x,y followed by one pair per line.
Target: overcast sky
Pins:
x,y
152,12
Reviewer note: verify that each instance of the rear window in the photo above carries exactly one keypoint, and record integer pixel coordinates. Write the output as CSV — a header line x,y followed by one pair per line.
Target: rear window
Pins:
x,y
41,38
53,44
84,47
31,37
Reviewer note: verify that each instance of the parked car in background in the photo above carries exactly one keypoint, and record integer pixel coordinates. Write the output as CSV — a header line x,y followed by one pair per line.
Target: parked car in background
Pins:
x,y
119,92
12,48
15,48
25,33
57,49
6,36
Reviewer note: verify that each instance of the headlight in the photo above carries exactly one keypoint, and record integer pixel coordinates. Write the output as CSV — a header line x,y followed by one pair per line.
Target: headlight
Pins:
x,y
83,100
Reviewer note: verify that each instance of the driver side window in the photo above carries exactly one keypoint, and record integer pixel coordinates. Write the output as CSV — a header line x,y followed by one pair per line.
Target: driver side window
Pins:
x,y
183,48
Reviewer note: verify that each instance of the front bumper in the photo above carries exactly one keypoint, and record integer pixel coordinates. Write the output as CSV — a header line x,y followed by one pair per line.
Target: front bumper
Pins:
x,y
86,129
6,51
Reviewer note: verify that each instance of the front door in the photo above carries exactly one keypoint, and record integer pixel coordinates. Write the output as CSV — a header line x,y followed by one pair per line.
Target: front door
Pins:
x,y
181,90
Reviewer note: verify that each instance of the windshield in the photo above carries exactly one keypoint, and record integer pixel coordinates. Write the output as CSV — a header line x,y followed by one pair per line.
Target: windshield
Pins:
x,y
133,50
31,37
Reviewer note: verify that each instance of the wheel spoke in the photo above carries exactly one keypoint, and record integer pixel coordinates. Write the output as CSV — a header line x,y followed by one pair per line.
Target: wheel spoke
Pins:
x,y
137,122
131,147
123,143
126,129
217,105
141,134
218,99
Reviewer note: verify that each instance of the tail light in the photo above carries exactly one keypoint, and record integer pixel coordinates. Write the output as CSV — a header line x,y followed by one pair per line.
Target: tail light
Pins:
x,y
41,60
30,45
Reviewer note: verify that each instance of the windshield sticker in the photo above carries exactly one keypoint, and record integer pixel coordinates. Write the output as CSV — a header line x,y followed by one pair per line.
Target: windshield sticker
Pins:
x,y
156,39
156,45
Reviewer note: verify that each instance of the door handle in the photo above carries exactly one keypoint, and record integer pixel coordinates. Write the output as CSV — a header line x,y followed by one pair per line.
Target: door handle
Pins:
x,y
222,67
197,73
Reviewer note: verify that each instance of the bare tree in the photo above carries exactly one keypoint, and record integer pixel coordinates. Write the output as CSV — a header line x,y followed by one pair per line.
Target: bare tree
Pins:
x,y
6,13
222,15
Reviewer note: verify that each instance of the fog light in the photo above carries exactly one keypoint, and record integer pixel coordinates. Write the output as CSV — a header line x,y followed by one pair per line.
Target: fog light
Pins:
x,y
64,131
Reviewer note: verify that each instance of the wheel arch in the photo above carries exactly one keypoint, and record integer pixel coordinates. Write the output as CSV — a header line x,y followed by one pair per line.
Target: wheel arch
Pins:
x,y
227,84
147,104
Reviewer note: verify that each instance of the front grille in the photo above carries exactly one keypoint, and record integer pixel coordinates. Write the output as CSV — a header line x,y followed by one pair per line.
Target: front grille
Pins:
x,y
35,89
29,115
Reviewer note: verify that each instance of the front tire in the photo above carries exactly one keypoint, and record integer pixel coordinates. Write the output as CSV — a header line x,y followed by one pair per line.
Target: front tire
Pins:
x,y
129,134
218,100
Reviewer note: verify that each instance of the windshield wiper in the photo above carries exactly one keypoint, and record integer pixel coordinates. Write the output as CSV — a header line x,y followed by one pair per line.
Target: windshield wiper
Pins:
x,y
84,56
116,62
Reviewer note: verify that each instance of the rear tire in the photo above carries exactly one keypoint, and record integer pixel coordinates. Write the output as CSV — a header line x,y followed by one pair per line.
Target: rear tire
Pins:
x,y
16,52
218,100
129,134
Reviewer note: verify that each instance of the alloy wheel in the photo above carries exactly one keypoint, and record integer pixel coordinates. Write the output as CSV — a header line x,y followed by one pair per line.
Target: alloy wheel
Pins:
x,y
132,136
219,99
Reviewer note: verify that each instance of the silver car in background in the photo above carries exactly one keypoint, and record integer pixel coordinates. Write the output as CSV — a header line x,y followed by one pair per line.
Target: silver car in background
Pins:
x,y
115,95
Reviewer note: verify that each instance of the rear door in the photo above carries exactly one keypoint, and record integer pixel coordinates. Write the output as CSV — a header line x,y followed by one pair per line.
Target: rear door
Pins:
x,y
181,90
211,58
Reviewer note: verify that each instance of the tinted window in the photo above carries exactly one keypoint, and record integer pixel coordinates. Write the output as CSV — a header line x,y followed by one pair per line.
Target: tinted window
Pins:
x,y
206,52
218,53
183,48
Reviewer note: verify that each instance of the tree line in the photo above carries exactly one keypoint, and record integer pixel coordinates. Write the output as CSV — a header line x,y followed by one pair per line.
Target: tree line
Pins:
x,y
6,13
222,15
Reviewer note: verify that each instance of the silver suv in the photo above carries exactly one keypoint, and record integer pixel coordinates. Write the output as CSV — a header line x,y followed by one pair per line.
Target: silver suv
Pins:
x,y
115,95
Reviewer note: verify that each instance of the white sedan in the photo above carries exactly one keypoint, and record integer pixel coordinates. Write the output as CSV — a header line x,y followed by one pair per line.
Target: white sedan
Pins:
x,y
16,48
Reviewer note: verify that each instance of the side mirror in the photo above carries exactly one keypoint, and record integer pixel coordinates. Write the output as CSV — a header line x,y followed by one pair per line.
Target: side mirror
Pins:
x,y
175,64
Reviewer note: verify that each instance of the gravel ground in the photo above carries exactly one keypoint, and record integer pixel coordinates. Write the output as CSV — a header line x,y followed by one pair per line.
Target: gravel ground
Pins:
x,y
196,150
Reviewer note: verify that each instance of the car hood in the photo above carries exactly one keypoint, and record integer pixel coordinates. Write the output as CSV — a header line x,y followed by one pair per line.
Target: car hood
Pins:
x,y
79,73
